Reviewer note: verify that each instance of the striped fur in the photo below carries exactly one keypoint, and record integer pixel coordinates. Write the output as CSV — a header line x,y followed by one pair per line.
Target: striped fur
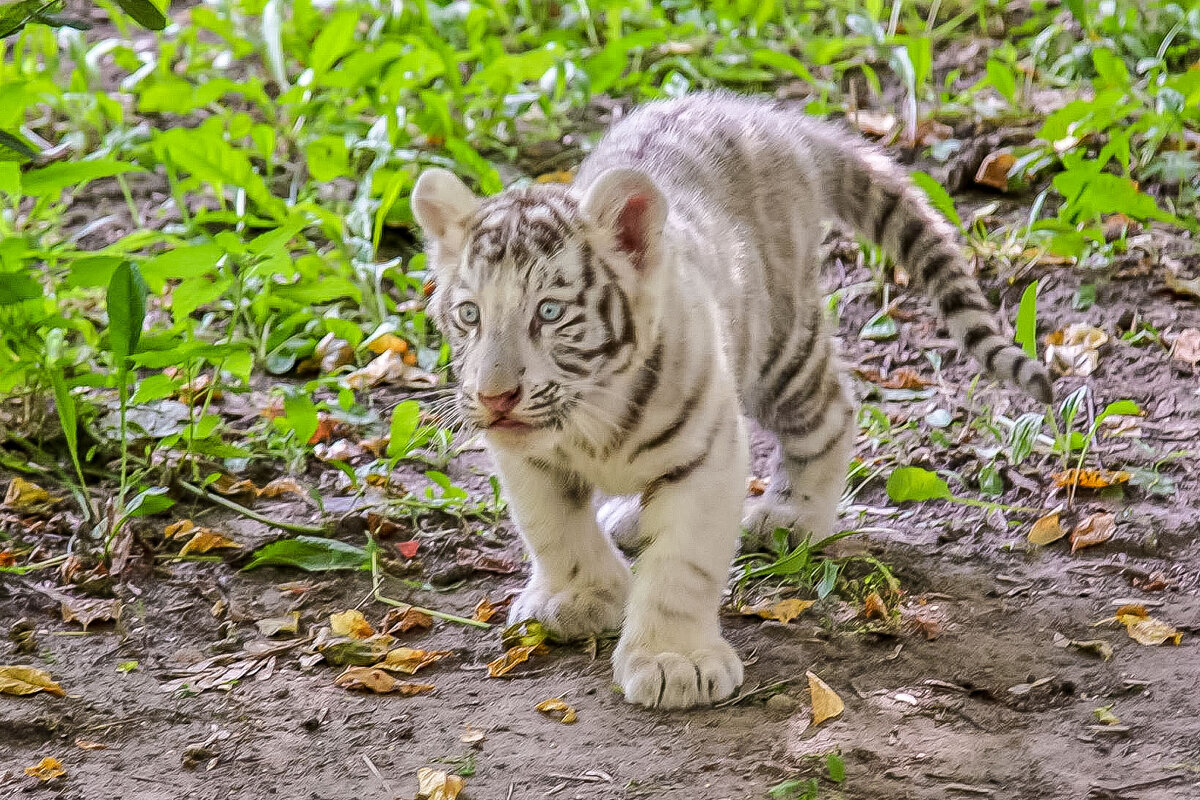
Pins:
x,y
607,334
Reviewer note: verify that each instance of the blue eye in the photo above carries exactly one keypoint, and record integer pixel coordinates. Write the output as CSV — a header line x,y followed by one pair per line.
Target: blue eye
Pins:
x,y
550,311
468,313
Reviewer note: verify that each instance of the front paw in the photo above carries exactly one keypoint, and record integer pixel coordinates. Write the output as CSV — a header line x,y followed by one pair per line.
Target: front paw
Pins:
x,y
700,677
578,610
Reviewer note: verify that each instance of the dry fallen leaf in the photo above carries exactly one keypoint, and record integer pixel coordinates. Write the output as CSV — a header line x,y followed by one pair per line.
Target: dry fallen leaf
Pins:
x,y
388,341
1090,478
1189,287
19,680
1075,349
47,769
350,623
782,611
755,486
408,660
873,606
280,487
379,681
86,611
206,539
1097,647
873,123
1145,629
825,702
1186,347
403,620
1105,716
557,176
1046,530
512,658
84,744
1093,530
433,784
389,367
177,530
229,485
485,609
483,562
472,735
994,170
273,626
26,497
556,708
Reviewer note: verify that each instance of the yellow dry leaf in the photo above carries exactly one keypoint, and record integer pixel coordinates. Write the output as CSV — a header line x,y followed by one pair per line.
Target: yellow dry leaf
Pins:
x,y
1075,349
280,487
825,702
206,539
1095,529
177,530
408,660
485,609
273,626
433,784
379,681
26,497
1046,530
229,485
782,611
1105,716
21,680
47,769
351,623
557,176
993,171
84,744
472,735
873,606
1090,478
388,341
559,710
1145,629
873,123
389,367
512,658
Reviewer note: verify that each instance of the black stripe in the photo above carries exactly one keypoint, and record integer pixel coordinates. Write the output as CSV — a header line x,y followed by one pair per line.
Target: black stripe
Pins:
x,y
799,357
819,375
576,491
910,234
680,472
975,335
989,358
810,423
644,384
801,460
935,266
957,300
685,413
889,201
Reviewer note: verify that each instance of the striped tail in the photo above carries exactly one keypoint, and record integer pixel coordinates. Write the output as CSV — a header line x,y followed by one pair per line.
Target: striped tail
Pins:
x,y
877,198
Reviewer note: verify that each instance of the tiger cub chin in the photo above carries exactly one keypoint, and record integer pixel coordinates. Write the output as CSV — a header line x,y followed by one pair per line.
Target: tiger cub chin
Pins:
x,y
610,335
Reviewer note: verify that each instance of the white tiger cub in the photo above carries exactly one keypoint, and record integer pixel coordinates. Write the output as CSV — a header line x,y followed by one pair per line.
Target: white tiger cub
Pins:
x,y
607,334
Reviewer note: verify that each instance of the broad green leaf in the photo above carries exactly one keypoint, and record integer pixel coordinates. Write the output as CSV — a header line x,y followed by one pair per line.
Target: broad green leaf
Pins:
x,y
405,418
783,62
310,553
154,500
14,16
1003,79
14,148
938,196
1026,334
300,416
914,483
334,41
144,12
126,302
17,287
52,179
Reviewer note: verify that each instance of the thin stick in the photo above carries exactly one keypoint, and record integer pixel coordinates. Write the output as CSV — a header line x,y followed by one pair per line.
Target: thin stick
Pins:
x,y
377,581
294,527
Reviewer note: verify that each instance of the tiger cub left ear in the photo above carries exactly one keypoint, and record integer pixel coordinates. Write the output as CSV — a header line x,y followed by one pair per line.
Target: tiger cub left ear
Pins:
x,y
441,204
630,204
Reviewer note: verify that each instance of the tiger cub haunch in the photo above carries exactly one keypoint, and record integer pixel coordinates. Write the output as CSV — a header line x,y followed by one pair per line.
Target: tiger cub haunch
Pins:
x,y
609,335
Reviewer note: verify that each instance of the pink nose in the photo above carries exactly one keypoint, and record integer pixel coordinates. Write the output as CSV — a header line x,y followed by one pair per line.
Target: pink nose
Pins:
x,y
501,403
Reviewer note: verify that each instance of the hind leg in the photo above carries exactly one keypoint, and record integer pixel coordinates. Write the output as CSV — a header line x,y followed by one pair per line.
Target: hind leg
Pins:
x,y
619,518
813,418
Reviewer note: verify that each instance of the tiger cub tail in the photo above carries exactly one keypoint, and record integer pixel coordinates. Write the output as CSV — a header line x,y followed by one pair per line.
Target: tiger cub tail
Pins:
x,y
880,201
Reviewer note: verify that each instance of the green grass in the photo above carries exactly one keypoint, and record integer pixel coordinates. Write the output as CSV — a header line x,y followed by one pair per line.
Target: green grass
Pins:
x,y
251,165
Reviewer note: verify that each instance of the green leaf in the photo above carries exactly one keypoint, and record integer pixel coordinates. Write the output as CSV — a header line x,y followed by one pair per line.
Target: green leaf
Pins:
x,y
154,500
17,287
126,302
310,553
300,416
15,148
880,327
13,17
405,419
836,767
938,195
1026,334
50,180
914,483
1002,78
64,402
783,63
144,13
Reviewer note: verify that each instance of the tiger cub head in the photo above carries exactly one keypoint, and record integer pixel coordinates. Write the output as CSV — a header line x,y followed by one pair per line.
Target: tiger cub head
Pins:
x,y
547,294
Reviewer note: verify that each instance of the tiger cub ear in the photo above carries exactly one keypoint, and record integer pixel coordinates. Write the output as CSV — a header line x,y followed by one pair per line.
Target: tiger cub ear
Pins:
x,y
441,204
630,204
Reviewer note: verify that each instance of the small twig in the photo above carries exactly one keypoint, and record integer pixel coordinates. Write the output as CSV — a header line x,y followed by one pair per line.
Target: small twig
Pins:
x,y
377,582
293,527
387,787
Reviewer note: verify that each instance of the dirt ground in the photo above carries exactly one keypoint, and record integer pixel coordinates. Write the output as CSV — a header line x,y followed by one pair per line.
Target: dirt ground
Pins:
x,y
991,706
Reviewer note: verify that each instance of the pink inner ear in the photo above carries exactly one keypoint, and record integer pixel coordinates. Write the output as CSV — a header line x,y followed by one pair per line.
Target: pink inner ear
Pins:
x,y
631,227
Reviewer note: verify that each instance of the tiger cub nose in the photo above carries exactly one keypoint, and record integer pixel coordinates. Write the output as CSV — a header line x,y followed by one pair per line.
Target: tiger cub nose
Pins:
x,y
501,403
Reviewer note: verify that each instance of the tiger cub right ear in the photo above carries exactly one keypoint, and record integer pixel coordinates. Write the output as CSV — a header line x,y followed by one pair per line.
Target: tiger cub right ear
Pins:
x,y
630,204
441,204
